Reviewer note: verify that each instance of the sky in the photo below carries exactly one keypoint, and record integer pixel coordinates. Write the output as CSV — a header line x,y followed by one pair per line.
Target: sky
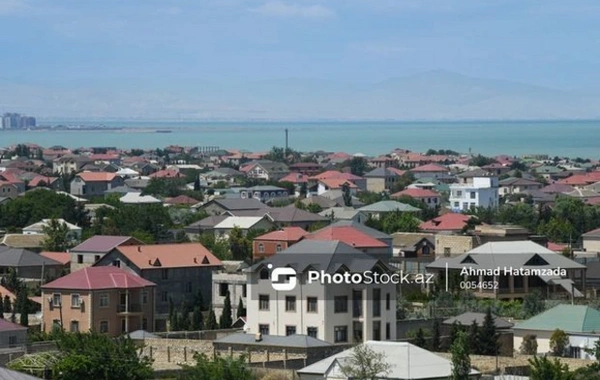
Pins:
x,y
61,45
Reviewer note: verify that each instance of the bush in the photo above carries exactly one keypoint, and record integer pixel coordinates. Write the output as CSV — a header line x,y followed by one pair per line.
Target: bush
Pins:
x,y
559,342
529,345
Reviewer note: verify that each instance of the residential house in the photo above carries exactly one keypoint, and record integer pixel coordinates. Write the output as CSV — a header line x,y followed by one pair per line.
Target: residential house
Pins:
x,y
298,179
586,195
503,329
220,206
476,188
306,168
514,269
355,238
412,252
74,233
449,223
91,184
194,230
167,174
381,179
137,198
344,213
137,183
145,168
405,361
336,313
360,182
276,241
108,300
229,281
580,322
64,258
29,266
29,242
244,223
223,174
179,271
557,188
382,162
181,200
435,171
378,209
264,193
591,240
69,164
12,335
8,190
265,170
94,248
328,184
497,168
515,185
429,197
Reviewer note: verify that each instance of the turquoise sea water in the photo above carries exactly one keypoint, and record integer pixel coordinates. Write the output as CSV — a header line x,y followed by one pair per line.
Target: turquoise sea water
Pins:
x,y
564,138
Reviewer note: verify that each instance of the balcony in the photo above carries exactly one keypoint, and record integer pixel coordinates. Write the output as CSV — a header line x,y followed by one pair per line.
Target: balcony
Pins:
x,y
131,308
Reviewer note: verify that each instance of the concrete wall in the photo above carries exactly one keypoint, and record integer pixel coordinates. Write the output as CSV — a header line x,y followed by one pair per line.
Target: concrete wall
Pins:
x,y
456,244
591,245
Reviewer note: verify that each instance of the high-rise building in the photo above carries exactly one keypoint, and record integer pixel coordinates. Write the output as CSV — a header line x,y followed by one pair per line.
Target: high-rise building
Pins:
x,y
16,121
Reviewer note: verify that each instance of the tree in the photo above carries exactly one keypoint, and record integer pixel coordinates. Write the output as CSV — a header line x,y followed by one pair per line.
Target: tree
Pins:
x,y
225,321
315,208
533,304
473,337
212,324
241,310
1,308
435,336
98,356
488,341
240,245
461,362
454,330
22,306
220,368
480,161
365,364
199,301
544,369
57,236
529,345
7,304
559,340
346,195
420,338
303,190
358,166
197,323
399,222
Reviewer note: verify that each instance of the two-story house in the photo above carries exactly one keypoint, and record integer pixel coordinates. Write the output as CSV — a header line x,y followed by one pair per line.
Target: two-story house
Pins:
x,y
69,164
516,185
265,169
229,282
94,248
108,300
381,179
94,184
263,193
276,241
334,312
476,188
179,271
429,197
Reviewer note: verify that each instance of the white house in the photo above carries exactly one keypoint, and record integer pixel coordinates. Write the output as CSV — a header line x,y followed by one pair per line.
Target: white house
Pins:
x,y
337,313
476,188
38,229
406,361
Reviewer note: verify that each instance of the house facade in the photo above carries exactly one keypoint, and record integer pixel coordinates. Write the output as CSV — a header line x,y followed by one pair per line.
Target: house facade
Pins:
x,y
94,184
108,300
94,248
381,179
475,189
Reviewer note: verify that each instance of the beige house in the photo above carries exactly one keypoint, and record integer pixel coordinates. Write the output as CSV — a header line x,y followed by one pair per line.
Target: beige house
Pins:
x,y
591,241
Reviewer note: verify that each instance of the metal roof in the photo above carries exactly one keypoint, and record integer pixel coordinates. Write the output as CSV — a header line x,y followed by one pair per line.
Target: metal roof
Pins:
x,y
569,318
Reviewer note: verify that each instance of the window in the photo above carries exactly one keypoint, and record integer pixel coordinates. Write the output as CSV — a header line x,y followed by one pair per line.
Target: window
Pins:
x,y
104,300
340,304
456,204
290,303
96,258
103,327
75,300
223,289
312,331
144,297
376,302
446,251
388,331
12,341
79,259
388,301
290,330
263,329
357,303
376,330
165,274
264,274
74,326
263,302
425,250
279,248
311,305
56,300
261,248
116,263
459,193
188,287
164,297
340,334
472,195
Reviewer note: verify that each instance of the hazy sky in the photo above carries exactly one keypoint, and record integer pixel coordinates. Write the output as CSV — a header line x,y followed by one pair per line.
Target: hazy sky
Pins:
x,y
553,43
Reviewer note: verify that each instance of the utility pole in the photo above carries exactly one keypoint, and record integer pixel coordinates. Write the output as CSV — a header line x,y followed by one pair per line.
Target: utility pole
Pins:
x,y
286,141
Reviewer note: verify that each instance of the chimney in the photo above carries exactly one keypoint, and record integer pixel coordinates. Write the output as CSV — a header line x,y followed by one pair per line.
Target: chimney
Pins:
x,y
195,260
258,337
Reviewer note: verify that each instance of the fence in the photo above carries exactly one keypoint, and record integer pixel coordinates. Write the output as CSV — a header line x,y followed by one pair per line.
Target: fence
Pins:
x,y
197,335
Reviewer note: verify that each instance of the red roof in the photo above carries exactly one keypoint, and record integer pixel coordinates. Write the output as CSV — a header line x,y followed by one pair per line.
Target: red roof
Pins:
x,y
103,277
102,157
168,173
295,178
446,222
334,174
396,170
556,247
62,257
416,193
181,200
337,183
97,176
430,168
289,234
581,179
347,234
169,255
38,179
9,326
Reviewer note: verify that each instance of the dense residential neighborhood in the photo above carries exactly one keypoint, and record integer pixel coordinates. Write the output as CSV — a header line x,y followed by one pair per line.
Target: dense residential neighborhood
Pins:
x,y
494,257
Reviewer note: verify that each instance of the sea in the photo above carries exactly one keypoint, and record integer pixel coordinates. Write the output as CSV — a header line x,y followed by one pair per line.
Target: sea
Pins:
x,y
574,138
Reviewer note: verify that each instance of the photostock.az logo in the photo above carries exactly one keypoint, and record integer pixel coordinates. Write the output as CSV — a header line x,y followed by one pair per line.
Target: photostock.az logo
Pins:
x,y
279,277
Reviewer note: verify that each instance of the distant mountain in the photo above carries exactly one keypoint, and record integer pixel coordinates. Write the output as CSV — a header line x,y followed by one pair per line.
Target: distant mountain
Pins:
x,y
432,95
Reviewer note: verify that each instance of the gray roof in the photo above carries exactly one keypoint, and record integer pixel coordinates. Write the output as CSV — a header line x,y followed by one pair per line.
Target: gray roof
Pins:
x,y
121,190
515,181
381,173
266,188
466,319
270,166
476,173
341,213
287,214
19,257
406,360
237,203
296,341
8,374
138,183
324,202
389,206
222,172
206,223
409,240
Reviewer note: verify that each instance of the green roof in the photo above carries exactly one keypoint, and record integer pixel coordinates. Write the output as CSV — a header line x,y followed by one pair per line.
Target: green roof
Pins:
x,y
569,318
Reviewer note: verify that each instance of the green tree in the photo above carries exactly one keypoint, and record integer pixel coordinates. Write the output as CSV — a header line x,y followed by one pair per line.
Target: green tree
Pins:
x,y
473,338
241,310
98,356
529,345
199,301
461,361
558,230
303,190
399,222
488,342
220,368
7,304
533,304
225,321
197,323
544,369
480,161
346,195
57,236
22,306
559,340
240,246
365,364
358,166
455,329
212,324
435,336
165,187
420,338
315,208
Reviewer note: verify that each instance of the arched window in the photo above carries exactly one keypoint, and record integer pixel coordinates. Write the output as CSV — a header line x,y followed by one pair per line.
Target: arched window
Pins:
x,y
279,247
264,274
261,248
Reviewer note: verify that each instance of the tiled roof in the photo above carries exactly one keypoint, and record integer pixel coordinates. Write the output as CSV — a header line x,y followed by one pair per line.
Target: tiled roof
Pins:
x,y
295,178
97,176
9,326
103,243
430,168
290,234
23,241
331,174
170,256
62,257
556,188
101,277
446,222
348,235
337,183
416,193
166,174
181,200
